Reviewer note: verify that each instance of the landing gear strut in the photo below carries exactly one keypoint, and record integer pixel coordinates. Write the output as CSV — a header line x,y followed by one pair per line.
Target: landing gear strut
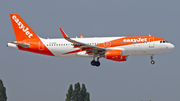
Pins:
x,y
95,63
152,61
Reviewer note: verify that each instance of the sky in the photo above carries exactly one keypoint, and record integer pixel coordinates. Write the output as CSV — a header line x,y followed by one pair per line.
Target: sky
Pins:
x,y
33,77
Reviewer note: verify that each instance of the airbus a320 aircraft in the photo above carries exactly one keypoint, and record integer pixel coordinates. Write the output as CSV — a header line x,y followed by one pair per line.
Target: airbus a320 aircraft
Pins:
x,y
111,48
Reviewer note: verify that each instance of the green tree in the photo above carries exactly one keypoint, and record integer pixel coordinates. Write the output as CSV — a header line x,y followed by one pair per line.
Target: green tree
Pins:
x,y
87,98
78,94
76,91
83,91
2,92
70,92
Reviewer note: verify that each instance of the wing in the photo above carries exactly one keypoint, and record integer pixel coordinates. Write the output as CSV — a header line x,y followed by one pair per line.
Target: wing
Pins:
x,y
85,47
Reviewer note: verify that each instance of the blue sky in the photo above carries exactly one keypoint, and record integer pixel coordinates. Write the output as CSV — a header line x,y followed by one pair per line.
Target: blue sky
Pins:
x,y
33,77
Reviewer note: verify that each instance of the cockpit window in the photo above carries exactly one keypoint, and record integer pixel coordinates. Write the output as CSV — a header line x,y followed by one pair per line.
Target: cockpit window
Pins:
x,y
163,41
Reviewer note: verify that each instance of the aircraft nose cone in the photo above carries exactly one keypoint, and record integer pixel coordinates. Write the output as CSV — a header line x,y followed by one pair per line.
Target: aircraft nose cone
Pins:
x,y
171,47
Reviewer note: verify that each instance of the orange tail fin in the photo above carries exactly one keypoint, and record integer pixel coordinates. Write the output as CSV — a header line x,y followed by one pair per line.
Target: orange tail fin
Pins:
x,y
21,29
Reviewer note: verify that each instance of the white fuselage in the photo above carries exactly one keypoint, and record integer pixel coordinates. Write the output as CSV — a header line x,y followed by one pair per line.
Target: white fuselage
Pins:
x,y
60,46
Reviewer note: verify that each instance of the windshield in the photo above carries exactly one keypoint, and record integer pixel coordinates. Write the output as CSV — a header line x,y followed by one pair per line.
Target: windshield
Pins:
x,y
163,41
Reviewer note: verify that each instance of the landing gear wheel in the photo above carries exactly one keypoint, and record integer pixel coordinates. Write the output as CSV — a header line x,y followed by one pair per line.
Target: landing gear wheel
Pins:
x,y
97,64
152,62
93,62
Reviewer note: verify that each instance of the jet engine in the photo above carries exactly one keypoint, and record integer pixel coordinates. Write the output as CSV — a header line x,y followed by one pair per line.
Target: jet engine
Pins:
x,y
115,55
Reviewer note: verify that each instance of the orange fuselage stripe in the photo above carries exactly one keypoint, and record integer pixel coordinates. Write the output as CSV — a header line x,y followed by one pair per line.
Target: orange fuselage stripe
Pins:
x,y
123,42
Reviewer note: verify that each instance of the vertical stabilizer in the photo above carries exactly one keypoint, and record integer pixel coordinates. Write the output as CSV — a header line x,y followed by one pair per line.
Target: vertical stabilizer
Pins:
x,y
21,29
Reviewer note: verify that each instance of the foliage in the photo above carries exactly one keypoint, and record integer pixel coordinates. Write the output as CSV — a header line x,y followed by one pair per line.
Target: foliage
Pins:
x,y
78,94
2,92
70,92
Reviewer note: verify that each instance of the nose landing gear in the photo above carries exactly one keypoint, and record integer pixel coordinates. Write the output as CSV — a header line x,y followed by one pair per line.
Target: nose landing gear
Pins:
x,y
152,61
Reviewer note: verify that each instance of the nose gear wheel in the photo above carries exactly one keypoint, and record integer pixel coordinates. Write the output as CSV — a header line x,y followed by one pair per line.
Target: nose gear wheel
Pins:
x,y
152,61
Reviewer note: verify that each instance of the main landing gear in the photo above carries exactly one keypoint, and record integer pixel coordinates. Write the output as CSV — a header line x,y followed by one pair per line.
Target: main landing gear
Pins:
x,y
95,63
152,61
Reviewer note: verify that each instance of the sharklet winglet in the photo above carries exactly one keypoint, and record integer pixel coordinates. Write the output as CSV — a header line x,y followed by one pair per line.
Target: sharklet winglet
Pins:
x,y
63,33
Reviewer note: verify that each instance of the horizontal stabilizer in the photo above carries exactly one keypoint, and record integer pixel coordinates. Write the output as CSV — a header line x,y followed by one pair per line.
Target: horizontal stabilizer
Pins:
x,y
18,44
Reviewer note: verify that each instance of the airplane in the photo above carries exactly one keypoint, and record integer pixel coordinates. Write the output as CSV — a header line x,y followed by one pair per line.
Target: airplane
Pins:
x,y
111,48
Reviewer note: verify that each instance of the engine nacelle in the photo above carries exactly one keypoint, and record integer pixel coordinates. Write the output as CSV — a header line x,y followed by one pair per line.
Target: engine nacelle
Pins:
x,y
115,55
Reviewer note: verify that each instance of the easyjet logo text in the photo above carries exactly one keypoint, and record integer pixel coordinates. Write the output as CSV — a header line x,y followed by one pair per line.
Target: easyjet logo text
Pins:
x,y
136,40
22,27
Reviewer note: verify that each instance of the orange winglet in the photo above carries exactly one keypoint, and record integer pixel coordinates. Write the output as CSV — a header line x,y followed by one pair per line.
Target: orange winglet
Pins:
x,y
63,33
80,35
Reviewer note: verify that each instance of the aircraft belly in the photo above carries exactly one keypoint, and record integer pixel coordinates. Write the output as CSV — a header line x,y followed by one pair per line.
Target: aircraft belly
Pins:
x,y
133,50
142,50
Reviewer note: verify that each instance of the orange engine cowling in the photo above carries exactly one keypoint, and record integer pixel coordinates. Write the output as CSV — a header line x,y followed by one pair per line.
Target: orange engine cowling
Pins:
x,y
115,55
